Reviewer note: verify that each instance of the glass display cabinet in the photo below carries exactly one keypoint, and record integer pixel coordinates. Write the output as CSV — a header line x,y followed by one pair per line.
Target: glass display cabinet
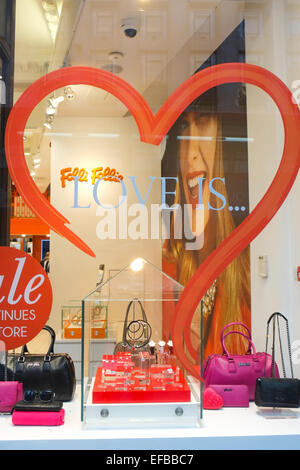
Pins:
x,y
71,317
142,383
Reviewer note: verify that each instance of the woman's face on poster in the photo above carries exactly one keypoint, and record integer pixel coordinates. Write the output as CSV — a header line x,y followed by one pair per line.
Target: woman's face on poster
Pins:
x,y
197,150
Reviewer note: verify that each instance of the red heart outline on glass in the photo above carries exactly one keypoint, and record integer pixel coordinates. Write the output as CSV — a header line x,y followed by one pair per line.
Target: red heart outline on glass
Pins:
x,y
152,130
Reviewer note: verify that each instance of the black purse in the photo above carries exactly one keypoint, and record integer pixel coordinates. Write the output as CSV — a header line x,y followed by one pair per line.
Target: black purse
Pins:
x,y
40,372
136,333
276,392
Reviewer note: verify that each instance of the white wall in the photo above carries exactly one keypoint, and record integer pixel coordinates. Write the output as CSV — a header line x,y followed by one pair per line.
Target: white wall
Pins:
x,y
272,44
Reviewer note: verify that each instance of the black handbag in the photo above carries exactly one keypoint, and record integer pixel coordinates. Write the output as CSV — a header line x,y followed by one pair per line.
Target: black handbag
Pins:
x,y
136,333
276,392
40,372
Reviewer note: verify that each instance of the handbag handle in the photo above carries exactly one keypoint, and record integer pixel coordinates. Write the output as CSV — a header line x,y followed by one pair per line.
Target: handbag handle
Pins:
x,y
127,315
234,324
251,345
277,315
51,347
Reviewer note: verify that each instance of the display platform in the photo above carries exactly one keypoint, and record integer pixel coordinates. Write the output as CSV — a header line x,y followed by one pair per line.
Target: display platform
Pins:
x,y
140,391
228,429
113,415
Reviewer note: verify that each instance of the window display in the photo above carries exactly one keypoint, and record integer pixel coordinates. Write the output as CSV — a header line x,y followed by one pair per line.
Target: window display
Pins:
x,y
150,155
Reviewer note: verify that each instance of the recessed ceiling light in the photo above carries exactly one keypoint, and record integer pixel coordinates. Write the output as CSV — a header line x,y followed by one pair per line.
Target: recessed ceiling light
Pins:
x,y
113,68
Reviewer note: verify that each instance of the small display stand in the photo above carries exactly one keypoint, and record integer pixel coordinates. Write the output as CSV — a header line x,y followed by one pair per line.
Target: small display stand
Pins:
x,y
72,322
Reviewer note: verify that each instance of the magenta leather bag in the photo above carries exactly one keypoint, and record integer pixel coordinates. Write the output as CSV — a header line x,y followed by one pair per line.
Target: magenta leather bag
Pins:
x,y
233,395
10,394
38,418
244,369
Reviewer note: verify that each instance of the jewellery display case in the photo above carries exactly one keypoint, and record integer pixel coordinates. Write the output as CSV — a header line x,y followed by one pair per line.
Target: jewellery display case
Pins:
x,y
71,318
142,383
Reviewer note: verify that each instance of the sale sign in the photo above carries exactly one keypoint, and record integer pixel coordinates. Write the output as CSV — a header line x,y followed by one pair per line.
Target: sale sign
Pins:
x,y
25,297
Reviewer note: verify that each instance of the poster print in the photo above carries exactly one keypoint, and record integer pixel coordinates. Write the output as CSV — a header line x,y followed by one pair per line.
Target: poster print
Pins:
x,y
206,163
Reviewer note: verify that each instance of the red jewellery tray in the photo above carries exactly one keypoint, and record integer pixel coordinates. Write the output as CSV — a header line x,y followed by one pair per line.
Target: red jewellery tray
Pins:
x,y
179,391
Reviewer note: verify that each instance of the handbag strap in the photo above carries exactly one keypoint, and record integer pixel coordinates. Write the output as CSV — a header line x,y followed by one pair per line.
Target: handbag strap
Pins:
x,y
144,317
234,324
52,342
272,318
251,345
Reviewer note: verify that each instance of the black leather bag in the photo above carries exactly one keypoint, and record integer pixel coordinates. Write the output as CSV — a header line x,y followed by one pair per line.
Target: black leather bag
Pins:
x,y
274,392
40,372
277,392
136,333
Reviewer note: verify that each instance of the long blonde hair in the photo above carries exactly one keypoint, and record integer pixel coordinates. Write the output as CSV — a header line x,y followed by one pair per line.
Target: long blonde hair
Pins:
x,y
235,279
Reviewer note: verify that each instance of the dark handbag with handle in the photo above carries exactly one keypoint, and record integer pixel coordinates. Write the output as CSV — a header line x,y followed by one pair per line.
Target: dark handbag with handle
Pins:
x,y
277,392
40,372
137,333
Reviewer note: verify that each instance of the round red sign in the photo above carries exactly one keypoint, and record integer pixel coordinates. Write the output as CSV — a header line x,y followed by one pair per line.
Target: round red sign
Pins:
x,y
25,298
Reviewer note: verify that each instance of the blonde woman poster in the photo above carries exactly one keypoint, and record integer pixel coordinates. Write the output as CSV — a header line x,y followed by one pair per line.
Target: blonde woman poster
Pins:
x,y
206,152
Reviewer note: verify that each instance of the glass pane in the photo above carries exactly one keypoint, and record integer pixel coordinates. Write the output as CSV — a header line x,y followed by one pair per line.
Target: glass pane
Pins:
x,y
172,187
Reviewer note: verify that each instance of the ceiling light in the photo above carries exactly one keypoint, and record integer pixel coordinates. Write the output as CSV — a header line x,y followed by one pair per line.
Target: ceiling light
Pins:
x,y
37,160
32,173
137,264
46,124
51,16
49,5
69,93
50,110
37,165
56,100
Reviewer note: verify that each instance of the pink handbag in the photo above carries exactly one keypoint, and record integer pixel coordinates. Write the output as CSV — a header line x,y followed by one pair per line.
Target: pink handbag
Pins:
x,y
244,369
10,394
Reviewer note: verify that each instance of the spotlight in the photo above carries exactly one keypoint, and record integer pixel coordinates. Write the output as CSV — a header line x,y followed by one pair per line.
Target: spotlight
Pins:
x,y
137,264
69,93
49,121
54,101
50,110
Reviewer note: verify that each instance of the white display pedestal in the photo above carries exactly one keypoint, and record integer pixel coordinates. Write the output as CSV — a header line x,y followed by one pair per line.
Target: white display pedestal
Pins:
x,y
141,415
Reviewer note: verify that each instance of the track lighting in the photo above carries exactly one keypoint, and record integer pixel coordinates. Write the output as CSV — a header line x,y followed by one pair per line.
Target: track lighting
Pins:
x,y
50,110
49,121
69,93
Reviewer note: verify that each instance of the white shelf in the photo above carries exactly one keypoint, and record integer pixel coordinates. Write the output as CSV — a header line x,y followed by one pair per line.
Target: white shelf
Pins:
x,y
228,428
